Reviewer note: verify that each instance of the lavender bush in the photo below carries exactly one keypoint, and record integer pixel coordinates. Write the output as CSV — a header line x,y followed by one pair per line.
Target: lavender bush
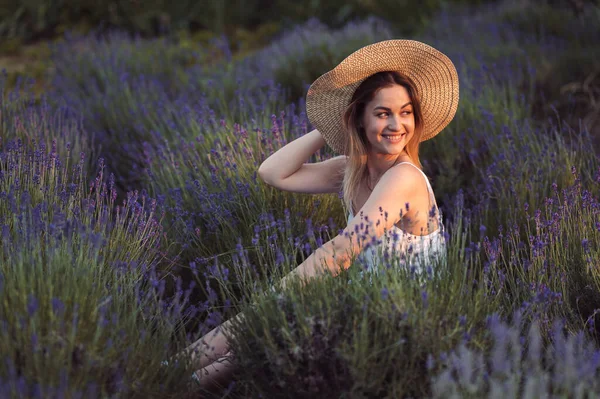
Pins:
x,y
301,55
520,365
501,67
205,182
239,148
131,91
82,305
549,265
37,121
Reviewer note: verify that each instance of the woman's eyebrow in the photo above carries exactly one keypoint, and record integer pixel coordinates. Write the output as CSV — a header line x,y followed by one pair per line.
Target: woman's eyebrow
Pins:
x,y
388,109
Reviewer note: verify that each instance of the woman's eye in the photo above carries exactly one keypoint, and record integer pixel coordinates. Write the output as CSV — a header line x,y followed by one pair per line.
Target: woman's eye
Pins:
x,y
386,114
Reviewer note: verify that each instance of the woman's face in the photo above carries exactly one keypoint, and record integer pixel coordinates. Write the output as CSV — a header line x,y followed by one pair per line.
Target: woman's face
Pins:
x,y
388,120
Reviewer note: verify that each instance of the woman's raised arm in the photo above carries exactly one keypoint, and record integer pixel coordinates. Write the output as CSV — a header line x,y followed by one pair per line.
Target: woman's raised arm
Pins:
x,y
286,168
288,159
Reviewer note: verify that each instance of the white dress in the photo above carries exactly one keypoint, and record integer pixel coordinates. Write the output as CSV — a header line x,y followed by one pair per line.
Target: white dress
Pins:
x,y
407,250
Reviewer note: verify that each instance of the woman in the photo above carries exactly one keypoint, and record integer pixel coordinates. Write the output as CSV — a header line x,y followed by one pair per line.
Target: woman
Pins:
x,y
374,109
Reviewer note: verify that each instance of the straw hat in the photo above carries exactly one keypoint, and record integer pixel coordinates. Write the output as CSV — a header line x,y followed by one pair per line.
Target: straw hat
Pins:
x,y
433,74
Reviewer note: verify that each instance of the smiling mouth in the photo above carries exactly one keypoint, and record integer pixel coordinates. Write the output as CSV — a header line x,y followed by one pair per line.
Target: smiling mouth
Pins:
x,y
393,137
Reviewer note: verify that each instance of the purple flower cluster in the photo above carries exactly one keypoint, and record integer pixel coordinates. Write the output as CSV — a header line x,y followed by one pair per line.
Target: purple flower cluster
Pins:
x,y
78,277
518,365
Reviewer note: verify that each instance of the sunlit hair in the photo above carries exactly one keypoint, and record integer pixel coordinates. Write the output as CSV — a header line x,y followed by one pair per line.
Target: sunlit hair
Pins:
x,y
356,166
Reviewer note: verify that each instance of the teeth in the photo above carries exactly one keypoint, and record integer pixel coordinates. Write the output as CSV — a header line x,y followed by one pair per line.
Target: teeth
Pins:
x,y
394,137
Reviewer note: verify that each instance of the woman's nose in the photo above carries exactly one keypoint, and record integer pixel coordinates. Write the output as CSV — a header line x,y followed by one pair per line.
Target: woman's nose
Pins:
x,y
393,123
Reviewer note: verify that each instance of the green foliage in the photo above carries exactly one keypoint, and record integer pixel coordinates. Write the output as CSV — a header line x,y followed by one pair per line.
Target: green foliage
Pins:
x,y
46,18
542,19
570,86
516,180
11,46
21,19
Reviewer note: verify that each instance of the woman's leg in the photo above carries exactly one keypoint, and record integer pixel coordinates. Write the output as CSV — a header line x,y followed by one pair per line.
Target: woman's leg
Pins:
x,y
217,374
212,345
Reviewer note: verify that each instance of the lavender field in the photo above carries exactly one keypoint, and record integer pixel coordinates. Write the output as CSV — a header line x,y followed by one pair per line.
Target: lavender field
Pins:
x,y
133,221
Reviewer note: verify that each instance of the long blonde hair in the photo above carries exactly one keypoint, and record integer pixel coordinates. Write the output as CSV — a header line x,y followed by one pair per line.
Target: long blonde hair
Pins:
x,y
356,166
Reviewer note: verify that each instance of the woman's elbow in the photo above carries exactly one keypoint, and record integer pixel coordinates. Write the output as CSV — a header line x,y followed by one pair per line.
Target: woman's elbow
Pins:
x,y
265,175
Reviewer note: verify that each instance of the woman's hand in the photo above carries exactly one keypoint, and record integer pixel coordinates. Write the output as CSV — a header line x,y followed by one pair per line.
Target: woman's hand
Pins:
x,y
288,160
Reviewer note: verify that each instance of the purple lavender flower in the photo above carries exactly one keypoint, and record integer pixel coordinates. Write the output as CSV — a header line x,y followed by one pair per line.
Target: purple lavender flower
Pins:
x,y
58,307
585,243
32,305
384,293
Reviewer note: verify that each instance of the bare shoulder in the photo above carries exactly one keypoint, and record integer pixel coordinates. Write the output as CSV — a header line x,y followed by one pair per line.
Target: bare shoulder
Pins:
x,y
385,206
403,178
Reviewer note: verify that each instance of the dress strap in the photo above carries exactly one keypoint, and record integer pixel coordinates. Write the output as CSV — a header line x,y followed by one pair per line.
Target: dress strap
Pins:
x,y
431,195
429,189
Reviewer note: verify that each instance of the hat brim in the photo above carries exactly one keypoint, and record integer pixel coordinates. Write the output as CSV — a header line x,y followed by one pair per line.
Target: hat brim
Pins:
x,y
432,72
